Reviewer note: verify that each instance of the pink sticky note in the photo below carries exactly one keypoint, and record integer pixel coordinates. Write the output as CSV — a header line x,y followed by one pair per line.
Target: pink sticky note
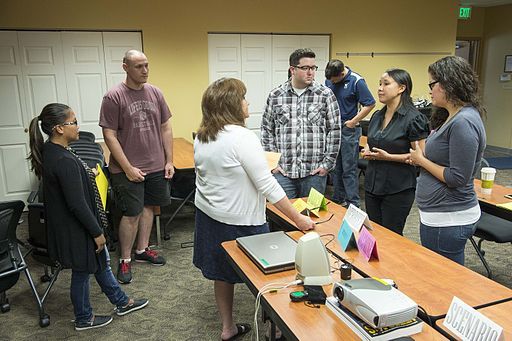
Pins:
x,y
367,244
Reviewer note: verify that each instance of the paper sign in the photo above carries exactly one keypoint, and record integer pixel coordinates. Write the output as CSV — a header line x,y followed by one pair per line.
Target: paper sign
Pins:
x,y
367,244
346,237
316,202
469,324
102,184
356,218
272,159
300,205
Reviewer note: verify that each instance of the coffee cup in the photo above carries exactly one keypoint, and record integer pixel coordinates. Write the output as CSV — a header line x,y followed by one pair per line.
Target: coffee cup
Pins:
x,y
487,178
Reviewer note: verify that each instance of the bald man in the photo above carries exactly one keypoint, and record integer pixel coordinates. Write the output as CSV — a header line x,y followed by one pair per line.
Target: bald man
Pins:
x,y
136,126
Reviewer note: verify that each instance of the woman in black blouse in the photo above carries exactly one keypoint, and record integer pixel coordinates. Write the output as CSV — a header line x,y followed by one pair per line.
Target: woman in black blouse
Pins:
x,y
390,182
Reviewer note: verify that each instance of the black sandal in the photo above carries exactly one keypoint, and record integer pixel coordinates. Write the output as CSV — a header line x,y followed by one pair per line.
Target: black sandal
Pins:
x,y
241,329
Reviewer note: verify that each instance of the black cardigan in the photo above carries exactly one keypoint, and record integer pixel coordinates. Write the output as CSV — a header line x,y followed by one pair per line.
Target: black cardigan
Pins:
x,y
71,214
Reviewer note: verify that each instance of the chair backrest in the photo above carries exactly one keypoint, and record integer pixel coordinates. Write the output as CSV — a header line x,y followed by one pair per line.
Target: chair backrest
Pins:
x,y
5,217
90,152
10,213
86,135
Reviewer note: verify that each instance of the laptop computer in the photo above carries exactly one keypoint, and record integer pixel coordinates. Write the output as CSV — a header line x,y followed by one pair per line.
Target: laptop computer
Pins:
x,y
271,252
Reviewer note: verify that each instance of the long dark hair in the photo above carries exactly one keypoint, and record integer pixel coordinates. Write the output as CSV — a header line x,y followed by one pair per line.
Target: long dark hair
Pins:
x,y
52,115
460,83
221,105
403,77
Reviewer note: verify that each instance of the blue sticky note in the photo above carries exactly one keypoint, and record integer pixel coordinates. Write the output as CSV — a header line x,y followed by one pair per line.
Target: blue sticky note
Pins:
x,y
346,236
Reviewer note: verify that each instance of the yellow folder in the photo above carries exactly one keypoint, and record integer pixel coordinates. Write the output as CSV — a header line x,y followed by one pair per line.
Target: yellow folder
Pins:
x,y
102,183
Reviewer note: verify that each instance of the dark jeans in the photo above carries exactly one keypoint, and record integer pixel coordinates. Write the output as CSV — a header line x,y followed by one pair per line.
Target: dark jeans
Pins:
x,y
80,291
346,182
390,210
448,241
300,187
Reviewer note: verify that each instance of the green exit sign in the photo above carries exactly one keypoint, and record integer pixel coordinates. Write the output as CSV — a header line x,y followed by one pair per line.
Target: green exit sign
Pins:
x,y
464,13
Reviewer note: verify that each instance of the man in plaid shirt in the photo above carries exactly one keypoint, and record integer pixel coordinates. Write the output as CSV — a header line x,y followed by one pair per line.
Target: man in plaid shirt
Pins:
x,y
302,122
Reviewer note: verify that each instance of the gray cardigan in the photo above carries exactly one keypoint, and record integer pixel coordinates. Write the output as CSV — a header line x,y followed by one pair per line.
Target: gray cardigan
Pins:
x,y
459,146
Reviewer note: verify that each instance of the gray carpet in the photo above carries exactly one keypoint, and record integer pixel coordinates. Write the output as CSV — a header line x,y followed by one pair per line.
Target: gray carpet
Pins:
x,y
182,306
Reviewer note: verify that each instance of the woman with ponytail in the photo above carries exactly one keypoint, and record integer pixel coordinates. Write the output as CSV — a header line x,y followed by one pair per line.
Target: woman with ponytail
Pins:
x,y
75,219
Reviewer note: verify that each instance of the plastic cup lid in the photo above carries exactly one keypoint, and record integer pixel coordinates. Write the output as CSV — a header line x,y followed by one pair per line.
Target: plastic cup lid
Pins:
x,y
488,170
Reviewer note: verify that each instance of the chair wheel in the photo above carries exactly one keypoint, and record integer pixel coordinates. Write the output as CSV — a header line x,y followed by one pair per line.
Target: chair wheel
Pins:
x,y
45,278
5,307
44,321
167,236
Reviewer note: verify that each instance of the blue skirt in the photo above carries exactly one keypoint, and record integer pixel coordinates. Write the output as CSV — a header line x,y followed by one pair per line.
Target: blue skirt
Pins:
x,y
209,256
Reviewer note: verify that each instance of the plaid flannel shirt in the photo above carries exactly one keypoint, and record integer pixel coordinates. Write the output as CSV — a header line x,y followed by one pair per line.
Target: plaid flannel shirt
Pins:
x,y
304,129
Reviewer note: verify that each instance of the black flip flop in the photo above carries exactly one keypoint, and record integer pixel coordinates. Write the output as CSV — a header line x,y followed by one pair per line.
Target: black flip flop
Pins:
x,y
241,329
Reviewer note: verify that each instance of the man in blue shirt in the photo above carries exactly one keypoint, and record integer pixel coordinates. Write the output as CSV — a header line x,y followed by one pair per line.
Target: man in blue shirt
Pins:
x,y
350,90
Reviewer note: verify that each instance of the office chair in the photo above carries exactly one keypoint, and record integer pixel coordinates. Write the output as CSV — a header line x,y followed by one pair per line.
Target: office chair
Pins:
x,y
88,150
87,136
12,262
490,228
182,189
362,164
493,229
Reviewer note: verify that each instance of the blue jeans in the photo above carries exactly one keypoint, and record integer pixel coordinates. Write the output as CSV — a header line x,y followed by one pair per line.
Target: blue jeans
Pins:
x,y
80,290
346,182
448,241
300,187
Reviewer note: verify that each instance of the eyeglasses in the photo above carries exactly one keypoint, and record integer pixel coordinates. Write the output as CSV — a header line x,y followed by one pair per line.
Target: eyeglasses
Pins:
x,y
74,123
431,84
324,221
307,68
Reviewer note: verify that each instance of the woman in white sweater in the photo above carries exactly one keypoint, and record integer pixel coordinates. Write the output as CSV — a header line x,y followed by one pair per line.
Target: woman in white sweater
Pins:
x,y
232,183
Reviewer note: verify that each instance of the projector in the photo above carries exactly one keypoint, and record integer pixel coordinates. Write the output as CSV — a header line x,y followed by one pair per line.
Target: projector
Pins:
x,y
377,303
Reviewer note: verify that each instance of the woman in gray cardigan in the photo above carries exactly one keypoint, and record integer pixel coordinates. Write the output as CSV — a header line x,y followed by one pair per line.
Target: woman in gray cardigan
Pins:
x,y
445,195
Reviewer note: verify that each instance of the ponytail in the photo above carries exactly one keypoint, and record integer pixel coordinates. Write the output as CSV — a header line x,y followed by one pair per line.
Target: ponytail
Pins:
x,y
52,115
36,147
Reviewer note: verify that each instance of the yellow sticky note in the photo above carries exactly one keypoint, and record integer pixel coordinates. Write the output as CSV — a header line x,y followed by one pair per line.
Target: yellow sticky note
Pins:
x,y
300,205
102,183
316,201
507,205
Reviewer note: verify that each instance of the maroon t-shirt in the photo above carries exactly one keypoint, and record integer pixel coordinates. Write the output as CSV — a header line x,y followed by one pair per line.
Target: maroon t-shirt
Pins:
x,y
137,116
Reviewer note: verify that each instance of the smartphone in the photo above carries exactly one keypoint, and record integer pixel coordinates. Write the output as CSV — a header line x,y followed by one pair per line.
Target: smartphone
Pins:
x,y
508,196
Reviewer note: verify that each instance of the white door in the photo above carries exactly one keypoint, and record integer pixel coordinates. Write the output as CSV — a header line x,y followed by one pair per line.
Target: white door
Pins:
x,y
115,44
319,45
282,48
15,179
43,69
37,68
257,75
224,58
85,76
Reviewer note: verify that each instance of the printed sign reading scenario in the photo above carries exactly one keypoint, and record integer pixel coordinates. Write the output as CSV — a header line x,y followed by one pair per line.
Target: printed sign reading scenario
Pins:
x,y
469,324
